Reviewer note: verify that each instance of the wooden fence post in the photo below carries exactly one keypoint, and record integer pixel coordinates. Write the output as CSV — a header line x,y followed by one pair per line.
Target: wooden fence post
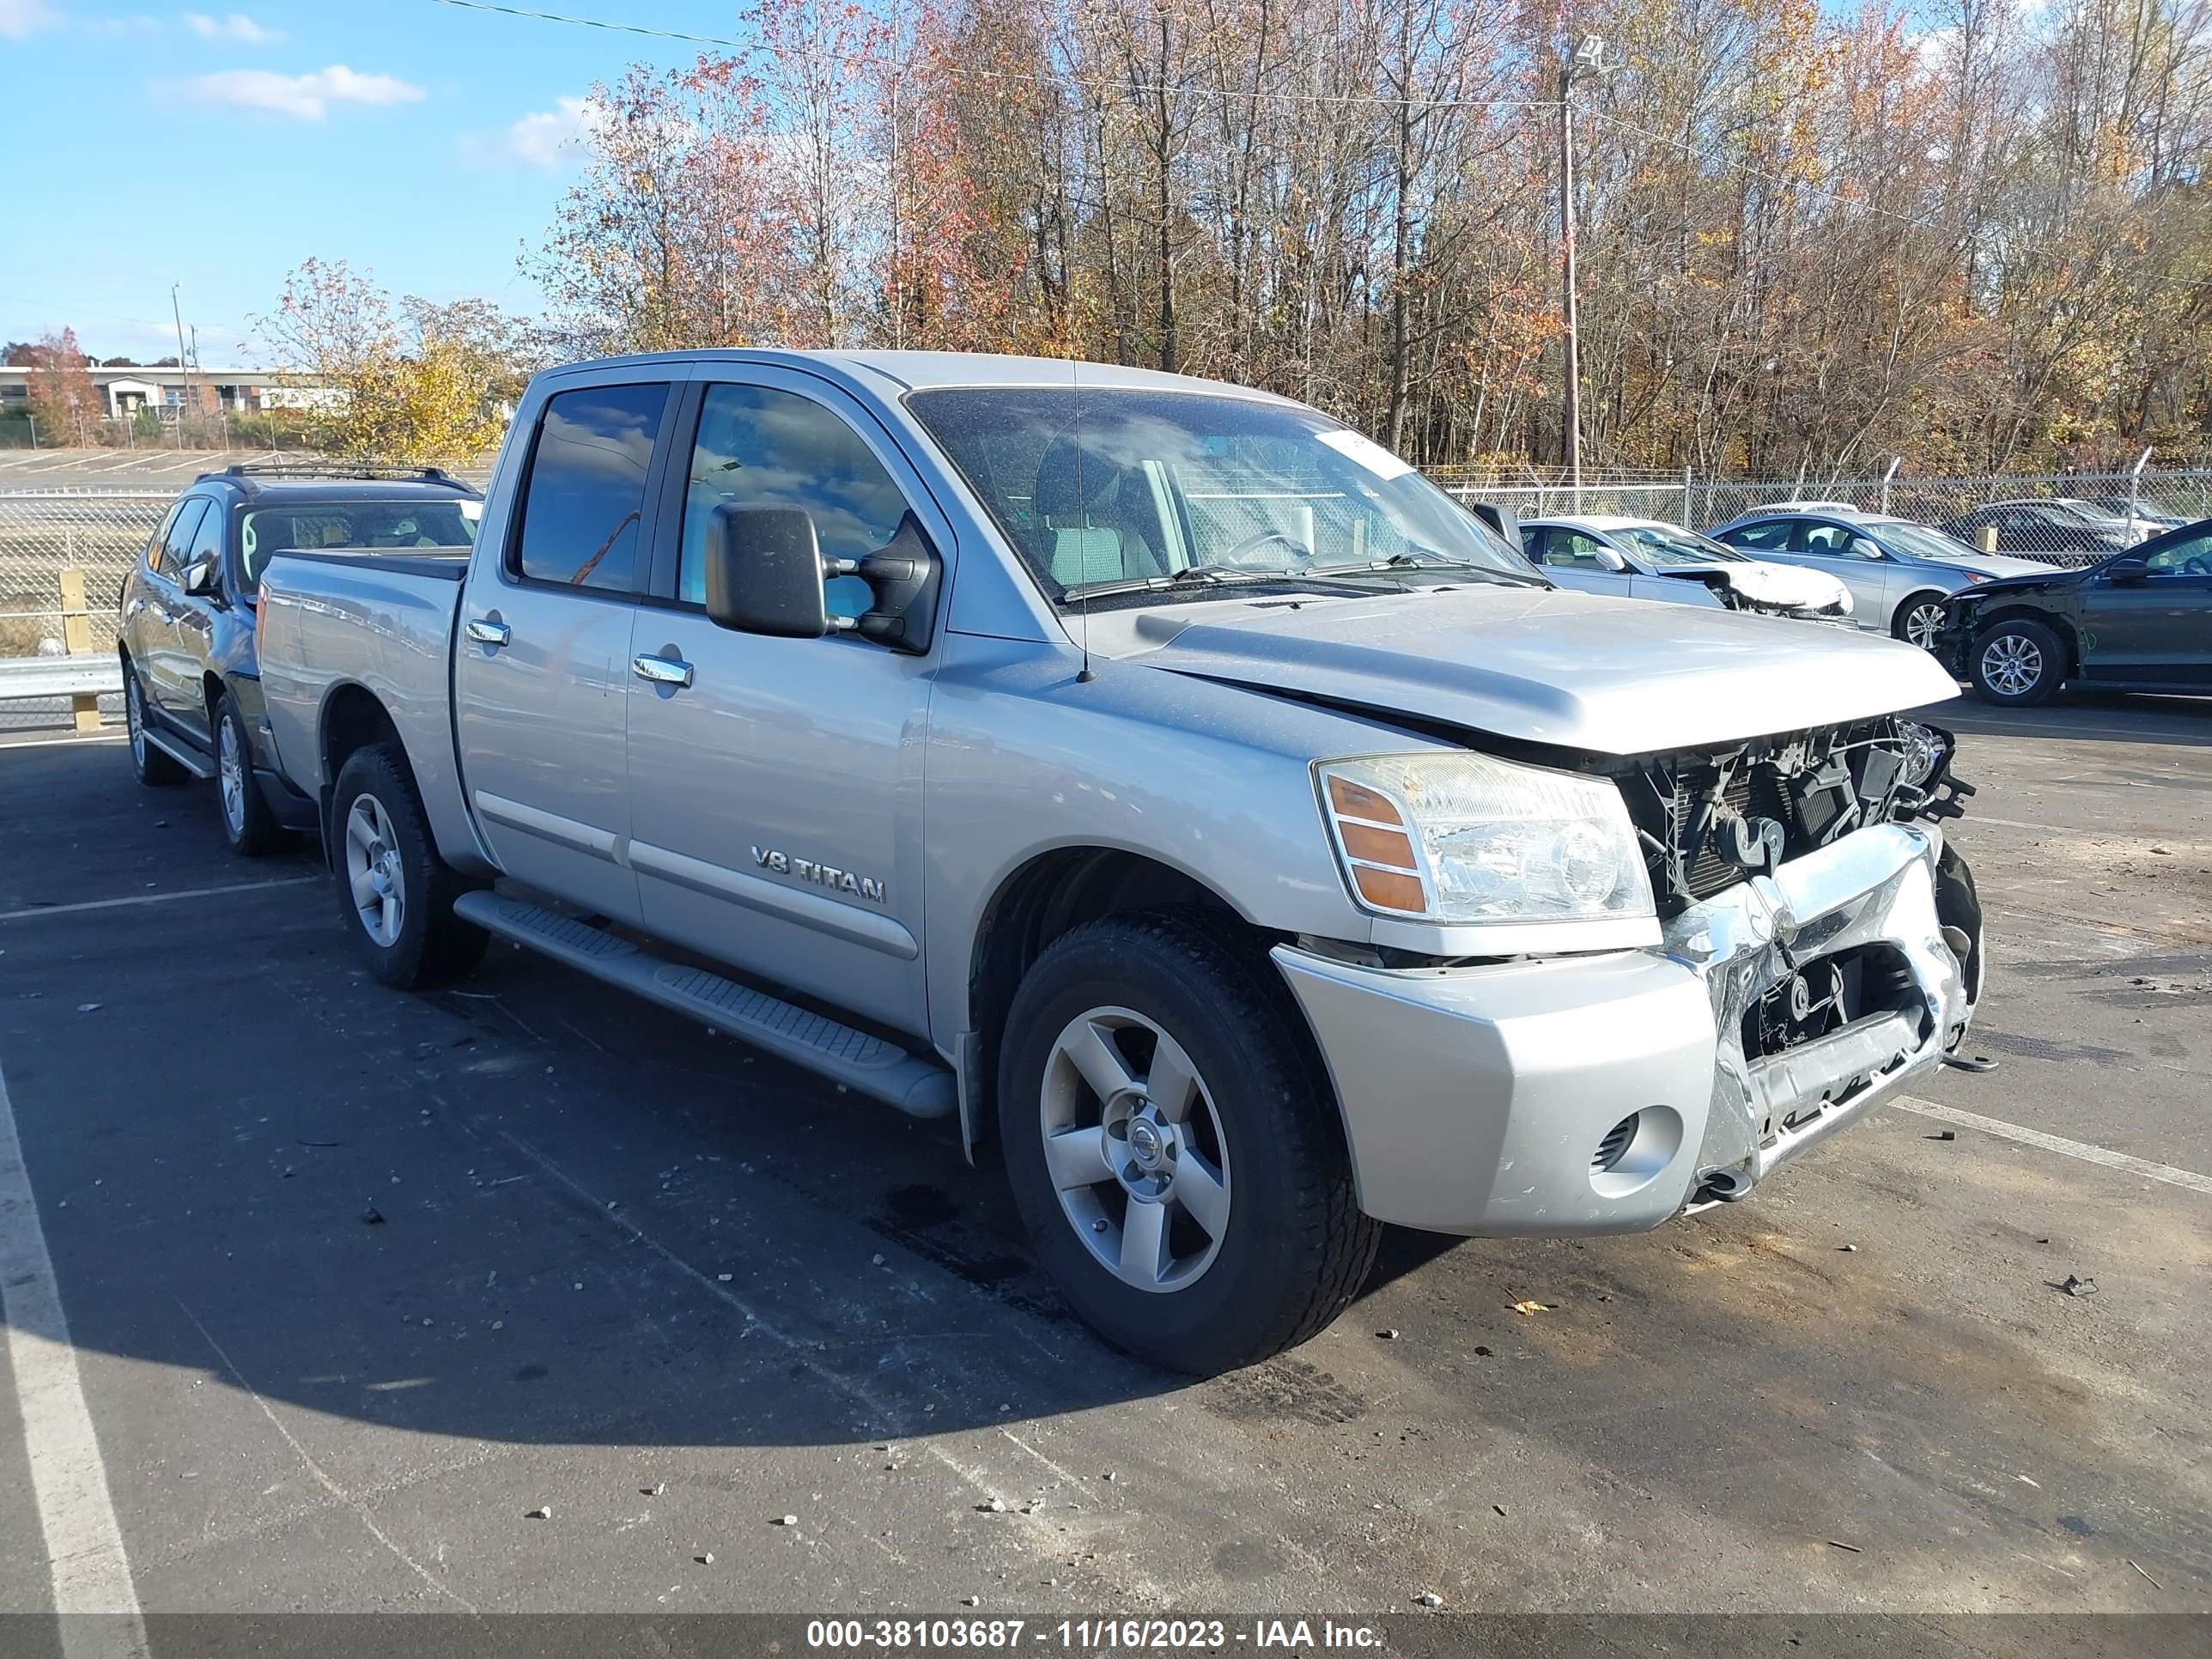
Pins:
x,y
77,641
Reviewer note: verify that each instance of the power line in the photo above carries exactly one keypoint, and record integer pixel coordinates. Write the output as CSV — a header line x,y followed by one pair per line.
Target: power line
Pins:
x,y
1140,88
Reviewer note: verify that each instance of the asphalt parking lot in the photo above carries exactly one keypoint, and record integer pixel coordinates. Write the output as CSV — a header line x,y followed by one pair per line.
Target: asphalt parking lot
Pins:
x,y
672,1294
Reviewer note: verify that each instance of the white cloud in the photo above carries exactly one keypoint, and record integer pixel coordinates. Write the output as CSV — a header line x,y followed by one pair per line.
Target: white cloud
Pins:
x,y
233,26
21,18
539,138
307,97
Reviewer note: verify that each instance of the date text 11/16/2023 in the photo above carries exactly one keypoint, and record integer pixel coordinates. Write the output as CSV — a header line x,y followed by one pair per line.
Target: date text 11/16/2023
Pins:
x,y
1085,1635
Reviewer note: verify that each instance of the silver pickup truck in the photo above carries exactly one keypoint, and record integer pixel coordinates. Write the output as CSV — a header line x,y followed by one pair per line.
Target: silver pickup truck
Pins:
x,y
1243,841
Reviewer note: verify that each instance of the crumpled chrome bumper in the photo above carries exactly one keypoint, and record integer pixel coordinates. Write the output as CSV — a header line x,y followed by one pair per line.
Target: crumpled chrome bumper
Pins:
x,y
1891,888
1495,1098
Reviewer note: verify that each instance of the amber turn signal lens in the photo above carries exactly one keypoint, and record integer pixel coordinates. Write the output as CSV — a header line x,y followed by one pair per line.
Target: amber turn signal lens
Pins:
x,y
1377,846
1353,801
1386,890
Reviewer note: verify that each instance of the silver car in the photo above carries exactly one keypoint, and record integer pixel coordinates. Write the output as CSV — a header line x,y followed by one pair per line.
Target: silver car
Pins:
x,y
1899,573
1650,559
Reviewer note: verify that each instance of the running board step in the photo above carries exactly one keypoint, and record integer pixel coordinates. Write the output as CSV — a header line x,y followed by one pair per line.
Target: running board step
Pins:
x,y
871,1065
183,753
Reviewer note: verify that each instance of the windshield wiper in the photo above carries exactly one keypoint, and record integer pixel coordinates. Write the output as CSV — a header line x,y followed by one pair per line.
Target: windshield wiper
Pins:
x,y
1428,559
1209,574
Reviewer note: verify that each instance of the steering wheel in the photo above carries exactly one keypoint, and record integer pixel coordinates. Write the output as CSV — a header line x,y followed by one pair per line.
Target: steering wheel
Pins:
x,y
1260,539
2196,564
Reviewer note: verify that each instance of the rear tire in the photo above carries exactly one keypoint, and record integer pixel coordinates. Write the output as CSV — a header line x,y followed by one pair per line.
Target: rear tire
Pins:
x,y
2018,662
1221,1225
248,825
395,892
154,769
1919,619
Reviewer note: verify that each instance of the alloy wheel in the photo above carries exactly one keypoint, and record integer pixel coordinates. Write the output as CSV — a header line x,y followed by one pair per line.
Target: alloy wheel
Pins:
x,y
1924,624
1135,1149
2012,664
374,875
134,719
230,767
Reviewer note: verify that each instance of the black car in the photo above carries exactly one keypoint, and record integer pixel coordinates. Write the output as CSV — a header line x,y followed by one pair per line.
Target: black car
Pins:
x,y
192,687
2041,526
2140,621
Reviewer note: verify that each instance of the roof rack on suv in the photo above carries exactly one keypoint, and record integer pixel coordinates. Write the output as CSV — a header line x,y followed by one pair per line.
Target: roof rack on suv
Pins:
x,y
276,469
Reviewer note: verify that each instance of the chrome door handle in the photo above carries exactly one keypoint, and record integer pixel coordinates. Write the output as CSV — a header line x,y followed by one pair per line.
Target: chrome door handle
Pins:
x,y
662,671
493,633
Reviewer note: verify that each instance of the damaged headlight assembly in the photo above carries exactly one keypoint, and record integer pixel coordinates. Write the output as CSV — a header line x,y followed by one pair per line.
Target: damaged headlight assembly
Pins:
x,y
1459,838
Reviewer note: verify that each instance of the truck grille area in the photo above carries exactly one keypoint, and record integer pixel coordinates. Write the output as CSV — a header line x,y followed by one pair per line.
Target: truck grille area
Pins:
x,y
1708,820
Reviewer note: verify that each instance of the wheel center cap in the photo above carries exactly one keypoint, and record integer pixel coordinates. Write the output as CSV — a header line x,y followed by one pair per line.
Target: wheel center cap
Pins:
x,y
1146,1144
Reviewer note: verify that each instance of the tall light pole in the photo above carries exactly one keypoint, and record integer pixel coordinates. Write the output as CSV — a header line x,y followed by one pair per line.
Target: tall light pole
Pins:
x,y
183,364
1588,59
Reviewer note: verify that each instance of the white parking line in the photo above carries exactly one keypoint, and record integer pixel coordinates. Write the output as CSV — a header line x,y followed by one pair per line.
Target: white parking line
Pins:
x,y
153,898
2049,1143
84,1543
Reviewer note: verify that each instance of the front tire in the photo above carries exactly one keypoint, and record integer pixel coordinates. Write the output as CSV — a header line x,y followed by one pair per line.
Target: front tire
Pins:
x,y
396,893
2019,663
248,825
1174,1147
1919,619
154,769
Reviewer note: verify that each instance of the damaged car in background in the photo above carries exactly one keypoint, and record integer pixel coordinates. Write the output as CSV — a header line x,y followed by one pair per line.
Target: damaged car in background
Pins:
x,y
1650,559
1242,844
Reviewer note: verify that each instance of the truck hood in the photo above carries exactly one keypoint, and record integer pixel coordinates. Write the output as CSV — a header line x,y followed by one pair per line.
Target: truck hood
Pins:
x,y
1544,665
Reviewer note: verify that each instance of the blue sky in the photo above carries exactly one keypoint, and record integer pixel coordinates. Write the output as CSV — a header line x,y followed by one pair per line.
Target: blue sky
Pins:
x,y
218,149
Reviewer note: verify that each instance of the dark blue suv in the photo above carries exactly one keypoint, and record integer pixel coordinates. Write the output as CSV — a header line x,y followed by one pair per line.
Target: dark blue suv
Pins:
x,y
192,687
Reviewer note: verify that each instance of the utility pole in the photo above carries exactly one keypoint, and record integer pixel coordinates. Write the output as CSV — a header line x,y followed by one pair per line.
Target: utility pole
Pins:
x,y
184,363
1588,58
1571,425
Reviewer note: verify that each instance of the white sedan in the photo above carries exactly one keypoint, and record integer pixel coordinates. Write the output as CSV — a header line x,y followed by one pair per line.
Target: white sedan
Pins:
x,y
1649,559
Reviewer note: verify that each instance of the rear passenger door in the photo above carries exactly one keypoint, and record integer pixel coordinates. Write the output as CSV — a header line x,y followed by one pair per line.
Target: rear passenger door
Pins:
x,y
541,658
776,784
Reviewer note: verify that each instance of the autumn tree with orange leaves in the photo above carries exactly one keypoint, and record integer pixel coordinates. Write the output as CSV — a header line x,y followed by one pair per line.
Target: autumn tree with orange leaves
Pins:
x,y
1813,236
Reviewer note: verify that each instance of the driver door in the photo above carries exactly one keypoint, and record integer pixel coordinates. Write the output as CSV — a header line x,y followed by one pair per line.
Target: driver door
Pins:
x,y
1575,559
2159,628
776,784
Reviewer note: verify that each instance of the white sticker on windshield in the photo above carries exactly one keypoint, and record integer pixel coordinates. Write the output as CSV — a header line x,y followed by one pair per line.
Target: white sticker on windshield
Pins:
x,y
1366,452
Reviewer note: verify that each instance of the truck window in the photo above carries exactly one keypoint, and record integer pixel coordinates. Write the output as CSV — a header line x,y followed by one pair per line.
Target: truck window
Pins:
x,y
586,488
758,446
154,543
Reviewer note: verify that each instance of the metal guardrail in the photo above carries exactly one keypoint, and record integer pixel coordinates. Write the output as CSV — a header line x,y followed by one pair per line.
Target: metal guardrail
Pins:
x,y
60,676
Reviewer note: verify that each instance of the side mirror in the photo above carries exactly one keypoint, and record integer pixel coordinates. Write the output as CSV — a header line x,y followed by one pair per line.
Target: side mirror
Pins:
x,y
1863,548
764,573
1504,522
200,578
1610,560
2126,572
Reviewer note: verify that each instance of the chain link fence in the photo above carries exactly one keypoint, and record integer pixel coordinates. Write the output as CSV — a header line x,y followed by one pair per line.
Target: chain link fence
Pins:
x,y
2137,505
97,534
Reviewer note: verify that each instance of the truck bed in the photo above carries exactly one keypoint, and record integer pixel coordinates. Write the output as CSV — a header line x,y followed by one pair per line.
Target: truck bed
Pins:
x,y
383,622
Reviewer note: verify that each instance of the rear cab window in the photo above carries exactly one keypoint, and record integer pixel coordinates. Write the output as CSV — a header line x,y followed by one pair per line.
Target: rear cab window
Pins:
x,y
584,499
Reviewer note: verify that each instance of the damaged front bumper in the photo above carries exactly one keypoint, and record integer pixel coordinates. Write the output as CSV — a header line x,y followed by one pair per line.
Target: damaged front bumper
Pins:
x,y
1603,1094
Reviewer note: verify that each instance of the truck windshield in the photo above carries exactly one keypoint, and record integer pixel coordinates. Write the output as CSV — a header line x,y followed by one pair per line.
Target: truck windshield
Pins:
x,y
1103,485
387,525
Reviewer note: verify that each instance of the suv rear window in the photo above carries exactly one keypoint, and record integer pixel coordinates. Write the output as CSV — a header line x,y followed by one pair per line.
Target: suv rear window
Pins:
x,y
311,526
